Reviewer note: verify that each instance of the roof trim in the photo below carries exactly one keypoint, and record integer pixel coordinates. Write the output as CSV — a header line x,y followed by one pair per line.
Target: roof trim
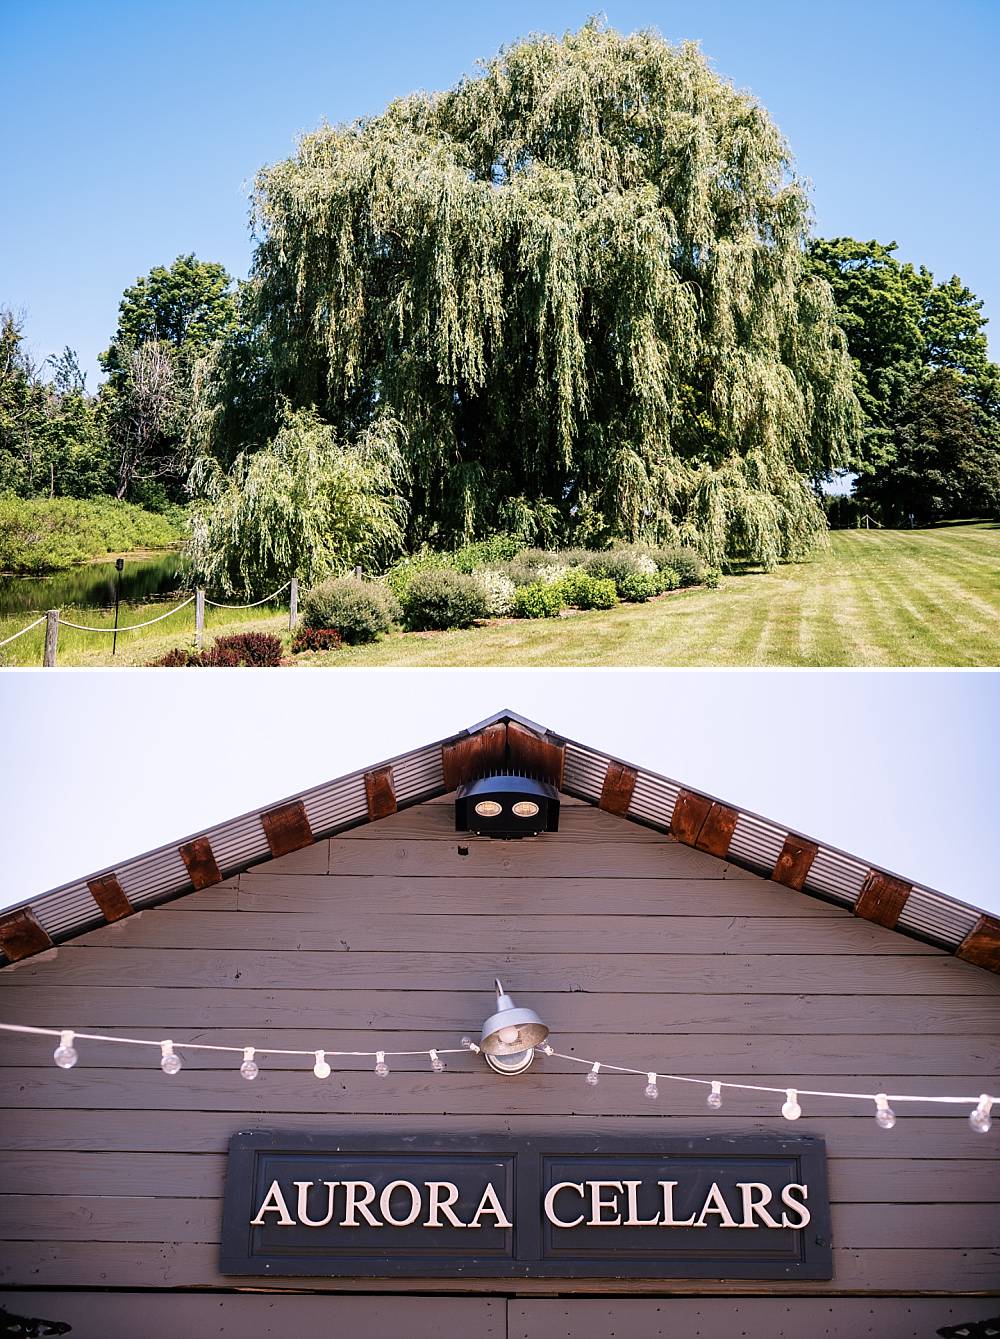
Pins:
x,y
693,817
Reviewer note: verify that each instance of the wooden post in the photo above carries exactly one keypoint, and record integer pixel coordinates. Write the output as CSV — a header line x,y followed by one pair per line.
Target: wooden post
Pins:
x,y
293,604
199,617
51,638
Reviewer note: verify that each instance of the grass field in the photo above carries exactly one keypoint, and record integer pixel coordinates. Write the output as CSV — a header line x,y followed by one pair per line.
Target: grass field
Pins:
x,y
921,597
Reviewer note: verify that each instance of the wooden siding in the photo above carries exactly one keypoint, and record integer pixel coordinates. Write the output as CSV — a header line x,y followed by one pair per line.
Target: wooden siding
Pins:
x,y
628,942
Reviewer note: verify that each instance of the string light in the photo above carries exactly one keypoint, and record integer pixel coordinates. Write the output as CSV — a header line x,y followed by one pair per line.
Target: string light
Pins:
x,y
885,1117
249,1068
437,1064
593,1074
791,1109
170,1061
64,1055
980,1118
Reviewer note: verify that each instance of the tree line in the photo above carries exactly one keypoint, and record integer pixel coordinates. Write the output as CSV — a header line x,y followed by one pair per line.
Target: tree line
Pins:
x,y
574,298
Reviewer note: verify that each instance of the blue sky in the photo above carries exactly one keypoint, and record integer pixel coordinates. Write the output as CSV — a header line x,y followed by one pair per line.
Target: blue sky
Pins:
x,y
133,130
899,767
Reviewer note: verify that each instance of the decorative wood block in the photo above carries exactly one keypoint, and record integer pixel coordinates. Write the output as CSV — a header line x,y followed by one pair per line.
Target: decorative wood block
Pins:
x,y
690,812
473,756
110,896
616,793
882,898
981,946
794,862
200,861
537,757
381,793
21,936
287,828
717,830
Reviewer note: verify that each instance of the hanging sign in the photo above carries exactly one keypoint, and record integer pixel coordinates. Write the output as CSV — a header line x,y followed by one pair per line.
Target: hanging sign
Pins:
x,y
440,1206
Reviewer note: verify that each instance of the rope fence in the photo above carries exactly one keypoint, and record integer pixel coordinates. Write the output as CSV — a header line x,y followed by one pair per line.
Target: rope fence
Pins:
x,y
54,620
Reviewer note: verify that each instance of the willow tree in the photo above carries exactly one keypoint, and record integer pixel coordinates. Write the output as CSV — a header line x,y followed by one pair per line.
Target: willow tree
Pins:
x,y
577,280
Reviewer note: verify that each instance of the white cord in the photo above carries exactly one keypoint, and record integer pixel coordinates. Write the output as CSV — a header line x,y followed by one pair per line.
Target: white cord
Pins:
x,y
129,627
215,604
7,640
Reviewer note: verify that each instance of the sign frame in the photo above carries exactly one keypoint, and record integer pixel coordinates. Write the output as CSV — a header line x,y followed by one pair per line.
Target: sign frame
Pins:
x,y
523,1160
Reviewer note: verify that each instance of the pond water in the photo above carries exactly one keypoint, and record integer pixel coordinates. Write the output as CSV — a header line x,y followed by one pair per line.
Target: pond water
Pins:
x,y
92,585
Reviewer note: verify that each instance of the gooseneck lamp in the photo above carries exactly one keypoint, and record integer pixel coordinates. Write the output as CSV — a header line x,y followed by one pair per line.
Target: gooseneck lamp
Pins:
x,y
510,1035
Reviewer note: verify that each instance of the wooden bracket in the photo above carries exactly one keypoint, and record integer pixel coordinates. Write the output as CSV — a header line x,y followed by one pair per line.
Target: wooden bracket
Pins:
x,y
981,946
381,793
287,828
690,812
201,864
616,793
21,935
794,862
535,756
882,898
472,756
110,896
703,823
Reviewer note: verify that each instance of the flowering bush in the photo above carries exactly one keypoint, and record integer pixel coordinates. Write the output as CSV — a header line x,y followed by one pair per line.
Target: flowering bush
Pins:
x,y
497,590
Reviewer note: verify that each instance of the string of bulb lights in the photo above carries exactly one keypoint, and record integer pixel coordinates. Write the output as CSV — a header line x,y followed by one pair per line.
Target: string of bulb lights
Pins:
x,y
66,1056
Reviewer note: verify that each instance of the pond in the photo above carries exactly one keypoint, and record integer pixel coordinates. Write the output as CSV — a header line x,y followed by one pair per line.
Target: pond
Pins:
x,y
92,585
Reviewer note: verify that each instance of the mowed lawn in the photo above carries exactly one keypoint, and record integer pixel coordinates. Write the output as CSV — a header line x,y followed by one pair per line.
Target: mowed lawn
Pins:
x,y
916,597
920,597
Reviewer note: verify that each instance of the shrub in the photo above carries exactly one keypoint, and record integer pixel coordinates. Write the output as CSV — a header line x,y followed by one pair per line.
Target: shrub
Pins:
x,y
551,574
361,611
316,639
668,578
537,601
498,591
485,552
256,650
638,587
399,576
521,571
689,565
616,565
443,599
178,658
583,591
711,578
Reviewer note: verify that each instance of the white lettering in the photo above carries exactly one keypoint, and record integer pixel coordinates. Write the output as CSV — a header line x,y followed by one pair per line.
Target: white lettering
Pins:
x,y
358,1204
385,1203
714,1203
598,1204
632,1196
790,1202
753,1206
274,1202
490,1204
303,1188
442,1204
668,1219
550,1203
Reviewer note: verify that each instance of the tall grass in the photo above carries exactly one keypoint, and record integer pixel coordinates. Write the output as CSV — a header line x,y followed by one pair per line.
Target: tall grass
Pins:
x,y
51,534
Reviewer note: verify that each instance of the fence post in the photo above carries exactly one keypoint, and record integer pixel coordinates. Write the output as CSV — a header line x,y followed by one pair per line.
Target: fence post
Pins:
x,y
199,617
51,638
293,604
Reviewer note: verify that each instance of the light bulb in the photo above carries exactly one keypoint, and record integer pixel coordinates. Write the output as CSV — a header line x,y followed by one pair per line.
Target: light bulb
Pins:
x,y
249,1068
437,1064
714,1099
885,1117
979,1119
791,1109
321,1069
170,1062
593,1078
651,1090
509,1035
381,1068
64,1055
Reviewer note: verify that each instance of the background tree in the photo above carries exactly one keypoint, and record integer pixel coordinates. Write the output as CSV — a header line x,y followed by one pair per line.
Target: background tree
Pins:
x,y
578,280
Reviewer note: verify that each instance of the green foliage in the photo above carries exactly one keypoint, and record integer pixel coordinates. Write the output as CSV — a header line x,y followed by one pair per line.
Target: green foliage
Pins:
x,y
578,280
667,578
442,599
315,639
712,578
484,552
306,505
618,565
639,587
584,591
537,600
48,535
498,591
685,563
361,611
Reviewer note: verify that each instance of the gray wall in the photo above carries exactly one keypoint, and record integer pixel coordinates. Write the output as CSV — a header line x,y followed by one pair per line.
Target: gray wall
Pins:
x,y
630,946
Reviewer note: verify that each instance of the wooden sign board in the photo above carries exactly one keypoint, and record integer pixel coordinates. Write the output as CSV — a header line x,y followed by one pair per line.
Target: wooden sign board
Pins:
x,y
454,1207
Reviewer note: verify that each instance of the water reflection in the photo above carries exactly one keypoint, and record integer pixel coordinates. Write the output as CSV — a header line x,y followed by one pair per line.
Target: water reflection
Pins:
x,y
92,586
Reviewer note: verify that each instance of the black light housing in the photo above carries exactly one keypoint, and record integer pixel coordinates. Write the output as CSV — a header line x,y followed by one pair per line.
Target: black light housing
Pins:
x,y
507,806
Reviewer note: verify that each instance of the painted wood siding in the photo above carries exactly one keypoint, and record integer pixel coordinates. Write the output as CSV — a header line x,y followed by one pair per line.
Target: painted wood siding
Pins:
x,y
630,945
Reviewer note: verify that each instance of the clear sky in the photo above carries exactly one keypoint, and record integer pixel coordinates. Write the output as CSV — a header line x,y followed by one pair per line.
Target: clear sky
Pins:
x,y
899,768
132,130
